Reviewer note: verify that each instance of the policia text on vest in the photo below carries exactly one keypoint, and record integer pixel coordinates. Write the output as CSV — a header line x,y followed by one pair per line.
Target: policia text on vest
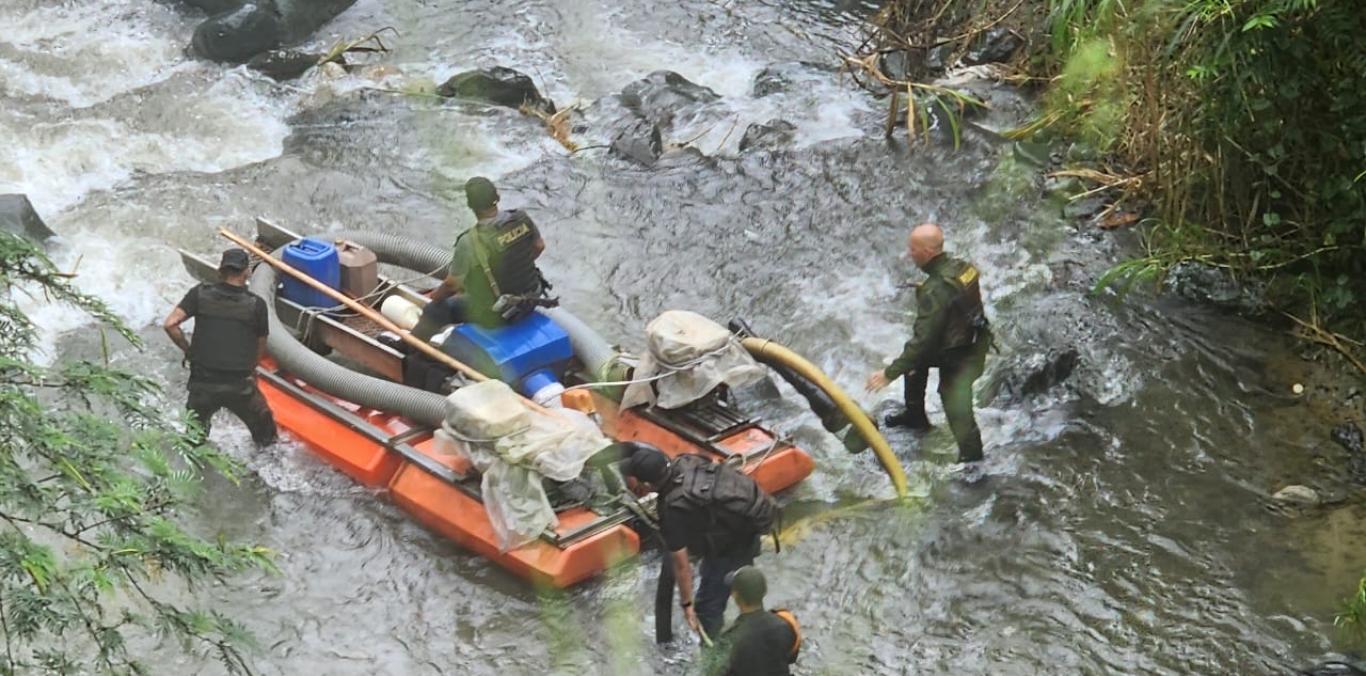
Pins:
x,y
493,278
231,325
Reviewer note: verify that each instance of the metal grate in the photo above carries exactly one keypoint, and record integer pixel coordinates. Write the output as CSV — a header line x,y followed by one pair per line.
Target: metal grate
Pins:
x,y
709,418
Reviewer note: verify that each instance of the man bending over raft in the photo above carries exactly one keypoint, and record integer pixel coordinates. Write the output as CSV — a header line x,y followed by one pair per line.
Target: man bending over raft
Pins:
x,y
493,279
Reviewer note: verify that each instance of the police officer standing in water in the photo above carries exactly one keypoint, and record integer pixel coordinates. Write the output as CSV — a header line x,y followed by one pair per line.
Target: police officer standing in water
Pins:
x,y
230,329
493,279
950,333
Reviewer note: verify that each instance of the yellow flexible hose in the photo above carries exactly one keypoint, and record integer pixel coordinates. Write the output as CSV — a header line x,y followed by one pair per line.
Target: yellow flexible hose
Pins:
x,y
763,348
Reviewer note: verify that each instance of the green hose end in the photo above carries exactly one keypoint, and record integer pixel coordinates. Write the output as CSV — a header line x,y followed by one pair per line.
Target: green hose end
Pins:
x,y
854,442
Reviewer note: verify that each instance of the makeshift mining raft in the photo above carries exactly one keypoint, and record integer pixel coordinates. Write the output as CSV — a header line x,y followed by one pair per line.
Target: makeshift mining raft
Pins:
x,y
504,439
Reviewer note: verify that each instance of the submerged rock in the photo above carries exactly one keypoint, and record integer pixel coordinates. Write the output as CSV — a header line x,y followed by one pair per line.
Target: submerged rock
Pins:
x,y
212,6
499,86
283,64
1035,374
1297,495
249,28
1348,436
770,135
783,77
662,95
1217,287
17,216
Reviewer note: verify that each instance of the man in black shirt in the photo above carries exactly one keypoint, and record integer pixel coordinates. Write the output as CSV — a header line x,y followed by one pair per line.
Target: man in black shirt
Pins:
x,y
759,642
723,545
231,325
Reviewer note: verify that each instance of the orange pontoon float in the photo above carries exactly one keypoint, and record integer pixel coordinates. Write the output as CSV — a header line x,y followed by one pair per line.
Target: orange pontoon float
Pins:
x,y
362,420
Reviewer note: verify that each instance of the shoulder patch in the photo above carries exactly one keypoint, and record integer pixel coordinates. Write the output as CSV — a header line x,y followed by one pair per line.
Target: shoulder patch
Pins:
x,y
968,276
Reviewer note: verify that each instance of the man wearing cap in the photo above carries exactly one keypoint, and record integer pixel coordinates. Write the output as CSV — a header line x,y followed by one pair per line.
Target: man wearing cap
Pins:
x,y
493,278
759,642
688,531
231,325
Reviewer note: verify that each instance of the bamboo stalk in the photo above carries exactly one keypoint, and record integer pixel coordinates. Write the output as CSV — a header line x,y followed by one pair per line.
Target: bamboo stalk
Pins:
x,y
368,312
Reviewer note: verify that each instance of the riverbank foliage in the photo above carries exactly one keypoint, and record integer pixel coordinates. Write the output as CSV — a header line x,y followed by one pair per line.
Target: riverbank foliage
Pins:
x,y
1241,122
94,479
1236,127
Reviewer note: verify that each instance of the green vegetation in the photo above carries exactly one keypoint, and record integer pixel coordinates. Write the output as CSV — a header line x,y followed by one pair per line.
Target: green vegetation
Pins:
x,y
1241,122
1352,619
93,480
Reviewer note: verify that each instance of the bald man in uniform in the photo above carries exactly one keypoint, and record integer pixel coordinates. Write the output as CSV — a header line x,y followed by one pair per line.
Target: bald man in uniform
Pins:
x,y
951,334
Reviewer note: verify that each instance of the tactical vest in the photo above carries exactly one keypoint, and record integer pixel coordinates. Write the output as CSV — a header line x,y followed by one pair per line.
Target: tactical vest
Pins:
x,y
731,504
966,319
509,247
225,334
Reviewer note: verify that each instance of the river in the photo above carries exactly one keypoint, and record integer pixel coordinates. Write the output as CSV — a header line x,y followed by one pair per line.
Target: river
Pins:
x,y
1122,526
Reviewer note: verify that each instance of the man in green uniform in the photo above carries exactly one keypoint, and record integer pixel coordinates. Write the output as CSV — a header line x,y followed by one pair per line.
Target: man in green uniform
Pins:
x,y
950,333
231,325
493,278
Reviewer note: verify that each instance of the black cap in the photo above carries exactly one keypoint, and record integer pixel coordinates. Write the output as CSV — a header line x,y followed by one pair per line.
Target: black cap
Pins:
x,y
748,584
646,463
480,193
234,260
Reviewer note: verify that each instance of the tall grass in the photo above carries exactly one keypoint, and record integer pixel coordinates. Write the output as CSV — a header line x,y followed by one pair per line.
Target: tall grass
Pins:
x,y
1246,120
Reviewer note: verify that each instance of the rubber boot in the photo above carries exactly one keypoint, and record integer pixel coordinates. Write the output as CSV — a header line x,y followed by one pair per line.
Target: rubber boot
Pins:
x,y
913,418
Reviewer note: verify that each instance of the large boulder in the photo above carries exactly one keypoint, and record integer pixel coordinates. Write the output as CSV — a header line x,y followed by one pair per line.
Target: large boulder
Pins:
x,y
283,64
662,95
249,28
771,135
18,217
497,85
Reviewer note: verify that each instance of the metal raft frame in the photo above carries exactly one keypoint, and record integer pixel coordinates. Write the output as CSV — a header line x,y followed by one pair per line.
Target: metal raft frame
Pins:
x,y
385,361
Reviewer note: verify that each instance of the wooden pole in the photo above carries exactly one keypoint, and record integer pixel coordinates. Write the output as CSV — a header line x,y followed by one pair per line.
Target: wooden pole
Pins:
x,y
368,312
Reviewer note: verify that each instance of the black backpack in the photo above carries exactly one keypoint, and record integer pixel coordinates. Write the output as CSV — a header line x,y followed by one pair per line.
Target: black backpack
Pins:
x,y
736,508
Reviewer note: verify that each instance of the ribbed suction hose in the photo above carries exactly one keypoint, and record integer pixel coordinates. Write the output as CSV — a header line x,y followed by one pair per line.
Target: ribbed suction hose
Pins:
x,y
424,407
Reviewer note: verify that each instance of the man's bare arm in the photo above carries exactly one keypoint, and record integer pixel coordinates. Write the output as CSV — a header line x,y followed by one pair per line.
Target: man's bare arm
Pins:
x,y
172,328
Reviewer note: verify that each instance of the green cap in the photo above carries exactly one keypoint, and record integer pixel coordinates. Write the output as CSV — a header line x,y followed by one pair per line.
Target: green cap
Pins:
x,y
480,193
748,585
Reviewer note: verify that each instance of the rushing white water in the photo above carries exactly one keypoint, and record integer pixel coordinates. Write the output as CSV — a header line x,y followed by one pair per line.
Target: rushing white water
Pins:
x,y
1097,544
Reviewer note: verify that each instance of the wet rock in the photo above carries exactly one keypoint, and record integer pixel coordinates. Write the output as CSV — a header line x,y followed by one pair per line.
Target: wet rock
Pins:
x,y
1297,495
784,77
1085,208
770,135
212,6
1334,668
17,216
662,95
283,64
1348,436
641,142
1216,287
1034,374
937,59
249,28
997,45
916,64
497,85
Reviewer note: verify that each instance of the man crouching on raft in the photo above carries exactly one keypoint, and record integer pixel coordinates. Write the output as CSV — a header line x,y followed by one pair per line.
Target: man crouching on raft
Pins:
x,y
951,334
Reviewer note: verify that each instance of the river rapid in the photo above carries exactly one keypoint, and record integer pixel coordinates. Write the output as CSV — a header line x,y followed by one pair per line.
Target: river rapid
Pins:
x,y
1122,526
